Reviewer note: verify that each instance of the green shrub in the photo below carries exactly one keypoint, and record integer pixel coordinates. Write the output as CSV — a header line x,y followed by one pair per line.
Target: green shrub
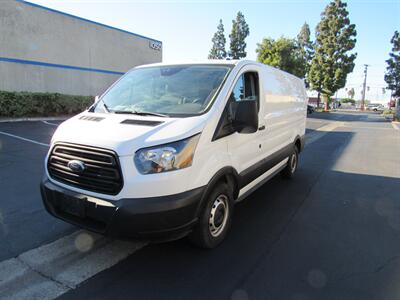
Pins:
x,y
348,100
388,111
26,104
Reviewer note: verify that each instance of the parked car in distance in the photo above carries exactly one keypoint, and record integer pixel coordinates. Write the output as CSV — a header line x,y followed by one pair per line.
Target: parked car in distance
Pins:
x,y
376,107
169,149
310,109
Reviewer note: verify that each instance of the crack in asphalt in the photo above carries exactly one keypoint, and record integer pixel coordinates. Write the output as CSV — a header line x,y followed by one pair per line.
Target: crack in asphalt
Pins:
x,y
269,251
375,271
45,276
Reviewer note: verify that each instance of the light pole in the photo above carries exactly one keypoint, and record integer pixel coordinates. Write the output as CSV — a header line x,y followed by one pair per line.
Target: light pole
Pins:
x,y
364,87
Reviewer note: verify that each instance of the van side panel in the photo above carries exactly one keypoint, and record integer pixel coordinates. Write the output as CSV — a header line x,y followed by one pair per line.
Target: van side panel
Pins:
x,y
285,108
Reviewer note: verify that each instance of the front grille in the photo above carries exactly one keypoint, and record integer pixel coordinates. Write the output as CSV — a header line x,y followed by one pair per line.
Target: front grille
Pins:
x,y
102,173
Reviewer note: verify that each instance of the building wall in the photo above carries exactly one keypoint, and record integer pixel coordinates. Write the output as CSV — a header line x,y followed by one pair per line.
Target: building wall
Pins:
x,y
43,50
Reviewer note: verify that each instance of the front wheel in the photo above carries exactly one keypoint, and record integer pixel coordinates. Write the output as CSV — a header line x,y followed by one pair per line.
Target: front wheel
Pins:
x,y
291,167
215,218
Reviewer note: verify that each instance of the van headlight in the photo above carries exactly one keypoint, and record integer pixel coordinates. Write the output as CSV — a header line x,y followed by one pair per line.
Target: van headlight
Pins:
x,y
167,157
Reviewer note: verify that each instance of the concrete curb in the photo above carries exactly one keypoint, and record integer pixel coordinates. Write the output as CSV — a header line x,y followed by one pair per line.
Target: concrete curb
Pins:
x,y
12,120
339,110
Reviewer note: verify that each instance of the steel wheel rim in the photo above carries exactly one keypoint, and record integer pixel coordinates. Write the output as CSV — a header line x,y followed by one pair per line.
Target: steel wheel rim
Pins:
x,y
293,162
218,215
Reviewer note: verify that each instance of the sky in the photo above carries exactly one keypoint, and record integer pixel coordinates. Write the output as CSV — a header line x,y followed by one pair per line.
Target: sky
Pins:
x,y
186,27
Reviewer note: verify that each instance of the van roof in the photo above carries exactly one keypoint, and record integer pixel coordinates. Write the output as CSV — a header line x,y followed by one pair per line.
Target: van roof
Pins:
x,y
232,62
229,62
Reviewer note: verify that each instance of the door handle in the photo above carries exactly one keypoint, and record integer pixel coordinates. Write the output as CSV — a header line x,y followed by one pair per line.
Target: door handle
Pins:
x,y
261,127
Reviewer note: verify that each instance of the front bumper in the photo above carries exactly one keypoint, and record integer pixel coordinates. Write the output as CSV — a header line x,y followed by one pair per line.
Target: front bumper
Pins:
x,y
159,218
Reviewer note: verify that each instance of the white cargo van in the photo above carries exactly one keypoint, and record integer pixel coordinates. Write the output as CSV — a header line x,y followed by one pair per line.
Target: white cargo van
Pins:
x,y
168,149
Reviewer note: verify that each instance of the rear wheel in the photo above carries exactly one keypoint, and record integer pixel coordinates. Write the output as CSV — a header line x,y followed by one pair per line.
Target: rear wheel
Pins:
x,y
292,164
215,218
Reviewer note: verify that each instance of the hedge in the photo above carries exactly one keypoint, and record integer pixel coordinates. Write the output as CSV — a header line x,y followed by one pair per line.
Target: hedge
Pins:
x,y
26,104
348,100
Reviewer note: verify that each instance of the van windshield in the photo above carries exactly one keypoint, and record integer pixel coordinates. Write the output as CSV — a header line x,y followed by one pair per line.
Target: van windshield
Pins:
x,y
183,90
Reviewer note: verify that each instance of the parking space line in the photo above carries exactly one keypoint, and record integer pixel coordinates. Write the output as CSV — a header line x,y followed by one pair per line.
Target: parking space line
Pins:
x,y
366,127
24,139
51,270
49,123
320,132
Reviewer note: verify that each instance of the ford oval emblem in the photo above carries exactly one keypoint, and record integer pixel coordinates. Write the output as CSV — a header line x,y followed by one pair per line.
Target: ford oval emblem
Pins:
x,y
76,166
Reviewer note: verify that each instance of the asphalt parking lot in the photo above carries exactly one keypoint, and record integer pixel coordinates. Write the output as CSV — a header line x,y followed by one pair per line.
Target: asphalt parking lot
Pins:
x,y
23,222
331,233
23,147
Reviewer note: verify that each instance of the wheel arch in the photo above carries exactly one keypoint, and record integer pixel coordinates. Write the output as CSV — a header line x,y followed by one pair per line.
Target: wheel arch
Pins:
x,y
226,175
299,142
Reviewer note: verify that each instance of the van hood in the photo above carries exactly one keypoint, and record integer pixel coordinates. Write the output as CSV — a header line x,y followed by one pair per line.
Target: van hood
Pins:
x,y
125,134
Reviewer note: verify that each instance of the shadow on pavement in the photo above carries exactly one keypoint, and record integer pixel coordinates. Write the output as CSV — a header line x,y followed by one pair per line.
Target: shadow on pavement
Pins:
x,y
314,237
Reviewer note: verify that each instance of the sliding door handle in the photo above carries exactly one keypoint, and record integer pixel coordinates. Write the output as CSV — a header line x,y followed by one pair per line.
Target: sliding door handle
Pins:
x,y
261,127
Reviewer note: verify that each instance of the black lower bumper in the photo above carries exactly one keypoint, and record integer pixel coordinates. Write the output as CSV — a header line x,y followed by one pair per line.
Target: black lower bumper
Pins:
x,y
158,218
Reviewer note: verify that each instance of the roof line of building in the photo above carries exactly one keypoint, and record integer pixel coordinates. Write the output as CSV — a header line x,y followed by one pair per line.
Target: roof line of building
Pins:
x,y
44,64
86,20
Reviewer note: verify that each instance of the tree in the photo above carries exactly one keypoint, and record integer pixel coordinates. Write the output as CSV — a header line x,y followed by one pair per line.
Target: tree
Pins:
x,y
218,48
282,54
392,76
240,31
351,93
305,48
332,62
304,40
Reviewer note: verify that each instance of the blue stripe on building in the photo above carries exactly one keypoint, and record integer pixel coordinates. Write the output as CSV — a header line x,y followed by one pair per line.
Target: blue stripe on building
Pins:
x,y
50,65
85,20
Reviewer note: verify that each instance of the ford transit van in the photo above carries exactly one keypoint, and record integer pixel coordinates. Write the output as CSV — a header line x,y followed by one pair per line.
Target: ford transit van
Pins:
x,y
169,149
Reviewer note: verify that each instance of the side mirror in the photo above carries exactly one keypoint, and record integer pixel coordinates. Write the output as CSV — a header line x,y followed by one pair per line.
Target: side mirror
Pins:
x,y
246,116
96,99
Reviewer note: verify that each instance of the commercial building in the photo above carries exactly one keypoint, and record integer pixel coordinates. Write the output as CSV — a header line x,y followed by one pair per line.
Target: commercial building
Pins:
x,y
44,50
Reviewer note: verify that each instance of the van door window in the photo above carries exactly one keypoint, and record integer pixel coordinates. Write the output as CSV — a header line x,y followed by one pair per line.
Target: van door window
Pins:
x,y
238,90
246,88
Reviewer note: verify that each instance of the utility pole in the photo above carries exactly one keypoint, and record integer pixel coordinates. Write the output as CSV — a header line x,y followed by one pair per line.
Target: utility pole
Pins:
x,y
364,87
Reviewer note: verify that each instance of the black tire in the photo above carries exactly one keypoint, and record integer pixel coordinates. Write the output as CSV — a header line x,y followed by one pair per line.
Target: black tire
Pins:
x,y
218,210
291,167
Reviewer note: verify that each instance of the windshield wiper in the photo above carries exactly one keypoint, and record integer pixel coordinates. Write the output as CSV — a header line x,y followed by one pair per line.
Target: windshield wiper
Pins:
x,y
139,113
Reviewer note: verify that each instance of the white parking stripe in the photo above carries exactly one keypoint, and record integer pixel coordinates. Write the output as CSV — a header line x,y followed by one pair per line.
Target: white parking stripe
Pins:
x,y
49,123
51,270
24,139
35,286
320,132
